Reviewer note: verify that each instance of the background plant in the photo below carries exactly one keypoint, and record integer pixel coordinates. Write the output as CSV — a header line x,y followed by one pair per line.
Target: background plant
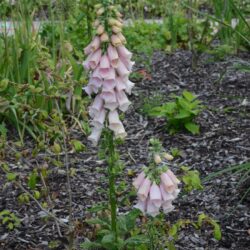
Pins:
x,y
180,113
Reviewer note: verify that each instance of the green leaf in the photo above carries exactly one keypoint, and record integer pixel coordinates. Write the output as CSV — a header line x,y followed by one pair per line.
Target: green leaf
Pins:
x,y
201,218
217,231
78,146
188,95
95,221
182,114
192,127
4,84
11,176
184,104
137,240
108,241
32,180
90,245
10,226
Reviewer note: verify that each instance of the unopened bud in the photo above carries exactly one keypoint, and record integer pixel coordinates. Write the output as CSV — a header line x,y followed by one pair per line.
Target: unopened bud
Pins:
x,y
118,24
100,30
116,40
104,37
112,21
111,7
168,156
96,23
116,29
100,11
122,38
118,14
98,6
157,159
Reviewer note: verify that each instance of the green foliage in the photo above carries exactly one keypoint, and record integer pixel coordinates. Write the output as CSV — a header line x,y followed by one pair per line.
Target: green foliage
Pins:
x,y
9,219
216,227
180,113
128,238
32,84
191,179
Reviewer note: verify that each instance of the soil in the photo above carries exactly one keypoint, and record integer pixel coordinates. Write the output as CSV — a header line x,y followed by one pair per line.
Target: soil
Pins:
x,y
224,141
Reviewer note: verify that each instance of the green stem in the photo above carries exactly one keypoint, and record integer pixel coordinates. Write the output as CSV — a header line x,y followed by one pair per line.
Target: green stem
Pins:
x,y
111,173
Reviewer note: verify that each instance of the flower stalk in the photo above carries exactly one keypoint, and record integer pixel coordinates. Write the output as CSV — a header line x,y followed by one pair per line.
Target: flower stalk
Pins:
x,y
108,137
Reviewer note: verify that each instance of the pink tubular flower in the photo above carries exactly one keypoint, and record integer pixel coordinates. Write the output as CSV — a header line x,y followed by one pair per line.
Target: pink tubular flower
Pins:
x,y
167,207
167,183
94,59
96,106
123,52
104,65
122,70
172,177
99,119
152,209
113,56
141,205
144,190
165,195
108,85
120,85
129,85
138,180
95,135
114,120
109,74
155,195
95,83
122,101
120,132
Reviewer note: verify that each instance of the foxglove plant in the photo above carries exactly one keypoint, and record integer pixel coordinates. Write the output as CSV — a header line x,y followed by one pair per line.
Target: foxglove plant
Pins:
x,y
109,65
157,185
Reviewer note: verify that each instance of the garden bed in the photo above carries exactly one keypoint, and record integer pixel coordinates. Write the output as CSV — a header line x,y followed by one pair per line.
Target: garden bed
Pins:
x,y
224,141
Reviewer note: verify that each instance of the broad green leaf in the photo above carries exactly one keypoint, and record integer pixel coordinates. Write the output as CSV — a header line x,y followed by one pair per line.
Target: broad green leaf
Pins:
x,y
184,104
108,241
192,127
182,114
188,95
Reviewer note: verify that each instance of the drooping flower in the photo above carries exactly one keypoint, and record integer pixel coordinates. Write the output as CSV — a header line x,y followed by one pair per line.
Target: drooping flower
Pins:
x,y
109,63
153,196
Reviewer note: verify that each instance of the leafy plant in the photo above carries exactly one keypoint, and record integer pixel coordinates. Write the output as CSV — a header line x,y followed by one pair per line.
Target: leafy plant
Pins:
x,y
180,113
128,237
191,179
9,219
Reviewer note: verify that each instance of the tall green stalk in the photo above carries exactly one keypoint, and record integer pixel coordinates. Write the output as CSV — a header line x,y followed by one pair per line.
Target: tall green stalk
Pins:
x,y
111,159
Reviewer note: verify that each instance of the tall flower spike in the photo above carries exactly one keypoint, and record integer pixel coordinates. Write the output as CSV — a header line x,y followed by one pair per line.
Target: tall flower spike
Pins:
x,y
109,64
